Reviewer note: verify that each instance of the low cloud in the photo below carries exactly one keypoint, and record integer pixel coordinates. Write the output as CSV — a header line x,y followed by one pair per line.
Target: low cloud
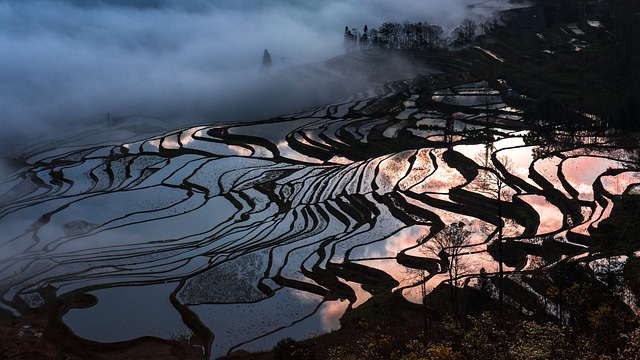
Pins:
x,y
66,63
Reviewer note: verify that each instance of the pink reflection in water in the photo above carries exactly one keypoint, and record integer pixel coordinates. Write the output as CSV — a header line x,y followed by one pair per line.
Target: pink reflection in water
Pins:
x,y
392,170
616,185
361,295
548,168
581,172
414,293
403,275
393,245
517,159
439,181
551,218
330,314
421,169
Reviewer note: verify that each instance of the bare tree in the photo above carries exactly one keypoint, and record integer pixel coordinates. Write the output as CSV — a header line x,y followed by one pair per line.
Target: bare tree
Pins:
x,y
491,183
448,244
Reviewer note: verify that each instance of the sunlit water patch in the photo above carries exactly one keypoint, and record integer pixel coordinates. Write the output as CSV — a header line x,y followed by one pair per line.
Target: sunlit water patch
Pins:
x,y
240,235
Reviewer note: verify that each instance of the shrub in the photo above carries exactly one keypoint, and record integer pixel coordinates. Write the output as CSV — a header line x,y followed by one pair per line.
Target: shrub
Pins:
x,y
289,349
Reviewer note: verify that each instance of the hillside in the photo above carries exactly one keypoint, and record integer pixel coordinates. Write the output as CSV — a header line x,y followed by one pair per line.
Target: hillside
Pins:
x,y
471,211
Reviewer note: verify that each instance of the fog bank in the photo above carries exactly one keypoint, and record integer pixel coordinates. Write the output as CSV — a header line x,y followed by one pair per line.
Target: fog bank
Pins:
x,y
67,63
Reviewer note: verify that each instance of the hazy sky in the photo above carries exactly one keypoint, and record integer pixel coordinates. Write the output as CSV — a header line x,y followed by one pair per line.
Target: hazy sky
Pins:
x,y
66,62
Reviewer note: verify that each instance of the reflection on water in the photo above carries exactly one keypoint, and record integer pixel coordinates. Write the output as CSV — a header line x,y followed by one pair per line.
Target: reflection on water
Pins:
x,y
129,312
255,326
237,236
551,217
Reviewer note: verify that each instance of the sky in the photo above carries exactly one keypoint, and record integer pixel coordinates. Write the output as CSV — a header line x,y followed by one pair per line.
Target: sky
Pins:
x,y
67,63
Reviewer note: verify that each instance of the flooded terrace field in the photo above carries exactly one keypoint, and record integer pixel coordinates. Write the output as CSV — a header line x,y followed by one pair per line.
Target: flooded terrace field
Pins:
x,y
236,236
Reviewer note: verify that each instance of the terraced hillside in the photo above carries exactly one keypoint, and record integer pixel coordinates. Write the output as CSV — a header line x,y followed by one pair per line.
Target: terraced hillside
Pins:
x,y
235,236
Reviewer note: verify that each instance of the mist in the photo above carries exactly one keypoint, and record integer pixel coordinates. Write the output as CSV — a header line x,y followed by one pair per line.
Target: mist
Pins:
x,y
66,64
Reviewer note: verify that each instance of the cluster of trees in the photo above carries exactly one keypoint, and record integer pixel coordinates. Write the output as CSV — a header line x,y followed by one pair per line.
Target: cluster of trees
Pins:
x,y
408,35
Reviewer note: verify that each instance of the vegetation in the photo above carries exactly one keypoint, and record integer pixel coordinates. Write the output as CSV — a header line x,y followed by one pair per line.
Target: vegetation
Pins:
x,y
595,70
393,35
266,61
408,35
580,313
449,244
597,326
465,33
289,349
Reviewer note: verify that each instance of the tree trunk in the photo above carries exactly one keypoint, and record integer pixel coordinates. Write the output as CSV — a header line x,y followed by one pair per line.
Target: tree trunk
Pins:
x,y
501,269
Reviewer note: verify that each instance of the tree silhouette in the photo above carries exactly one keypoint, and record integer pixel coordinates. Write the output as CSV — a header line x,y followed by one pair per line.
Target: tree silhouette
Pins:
x,y
266,62
419,35
465,33
350,39
490,182
364,39
449,244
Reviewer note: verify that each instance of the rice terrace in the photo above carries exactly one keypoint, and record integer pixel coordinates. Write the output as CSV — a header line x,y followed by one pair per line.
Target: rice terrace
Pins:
x,y
478,199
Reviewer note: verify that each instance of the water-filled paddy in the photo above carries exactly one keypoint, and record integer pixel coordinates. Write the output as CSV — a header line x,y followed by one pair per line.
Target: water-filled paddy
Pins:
x,y
239,235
